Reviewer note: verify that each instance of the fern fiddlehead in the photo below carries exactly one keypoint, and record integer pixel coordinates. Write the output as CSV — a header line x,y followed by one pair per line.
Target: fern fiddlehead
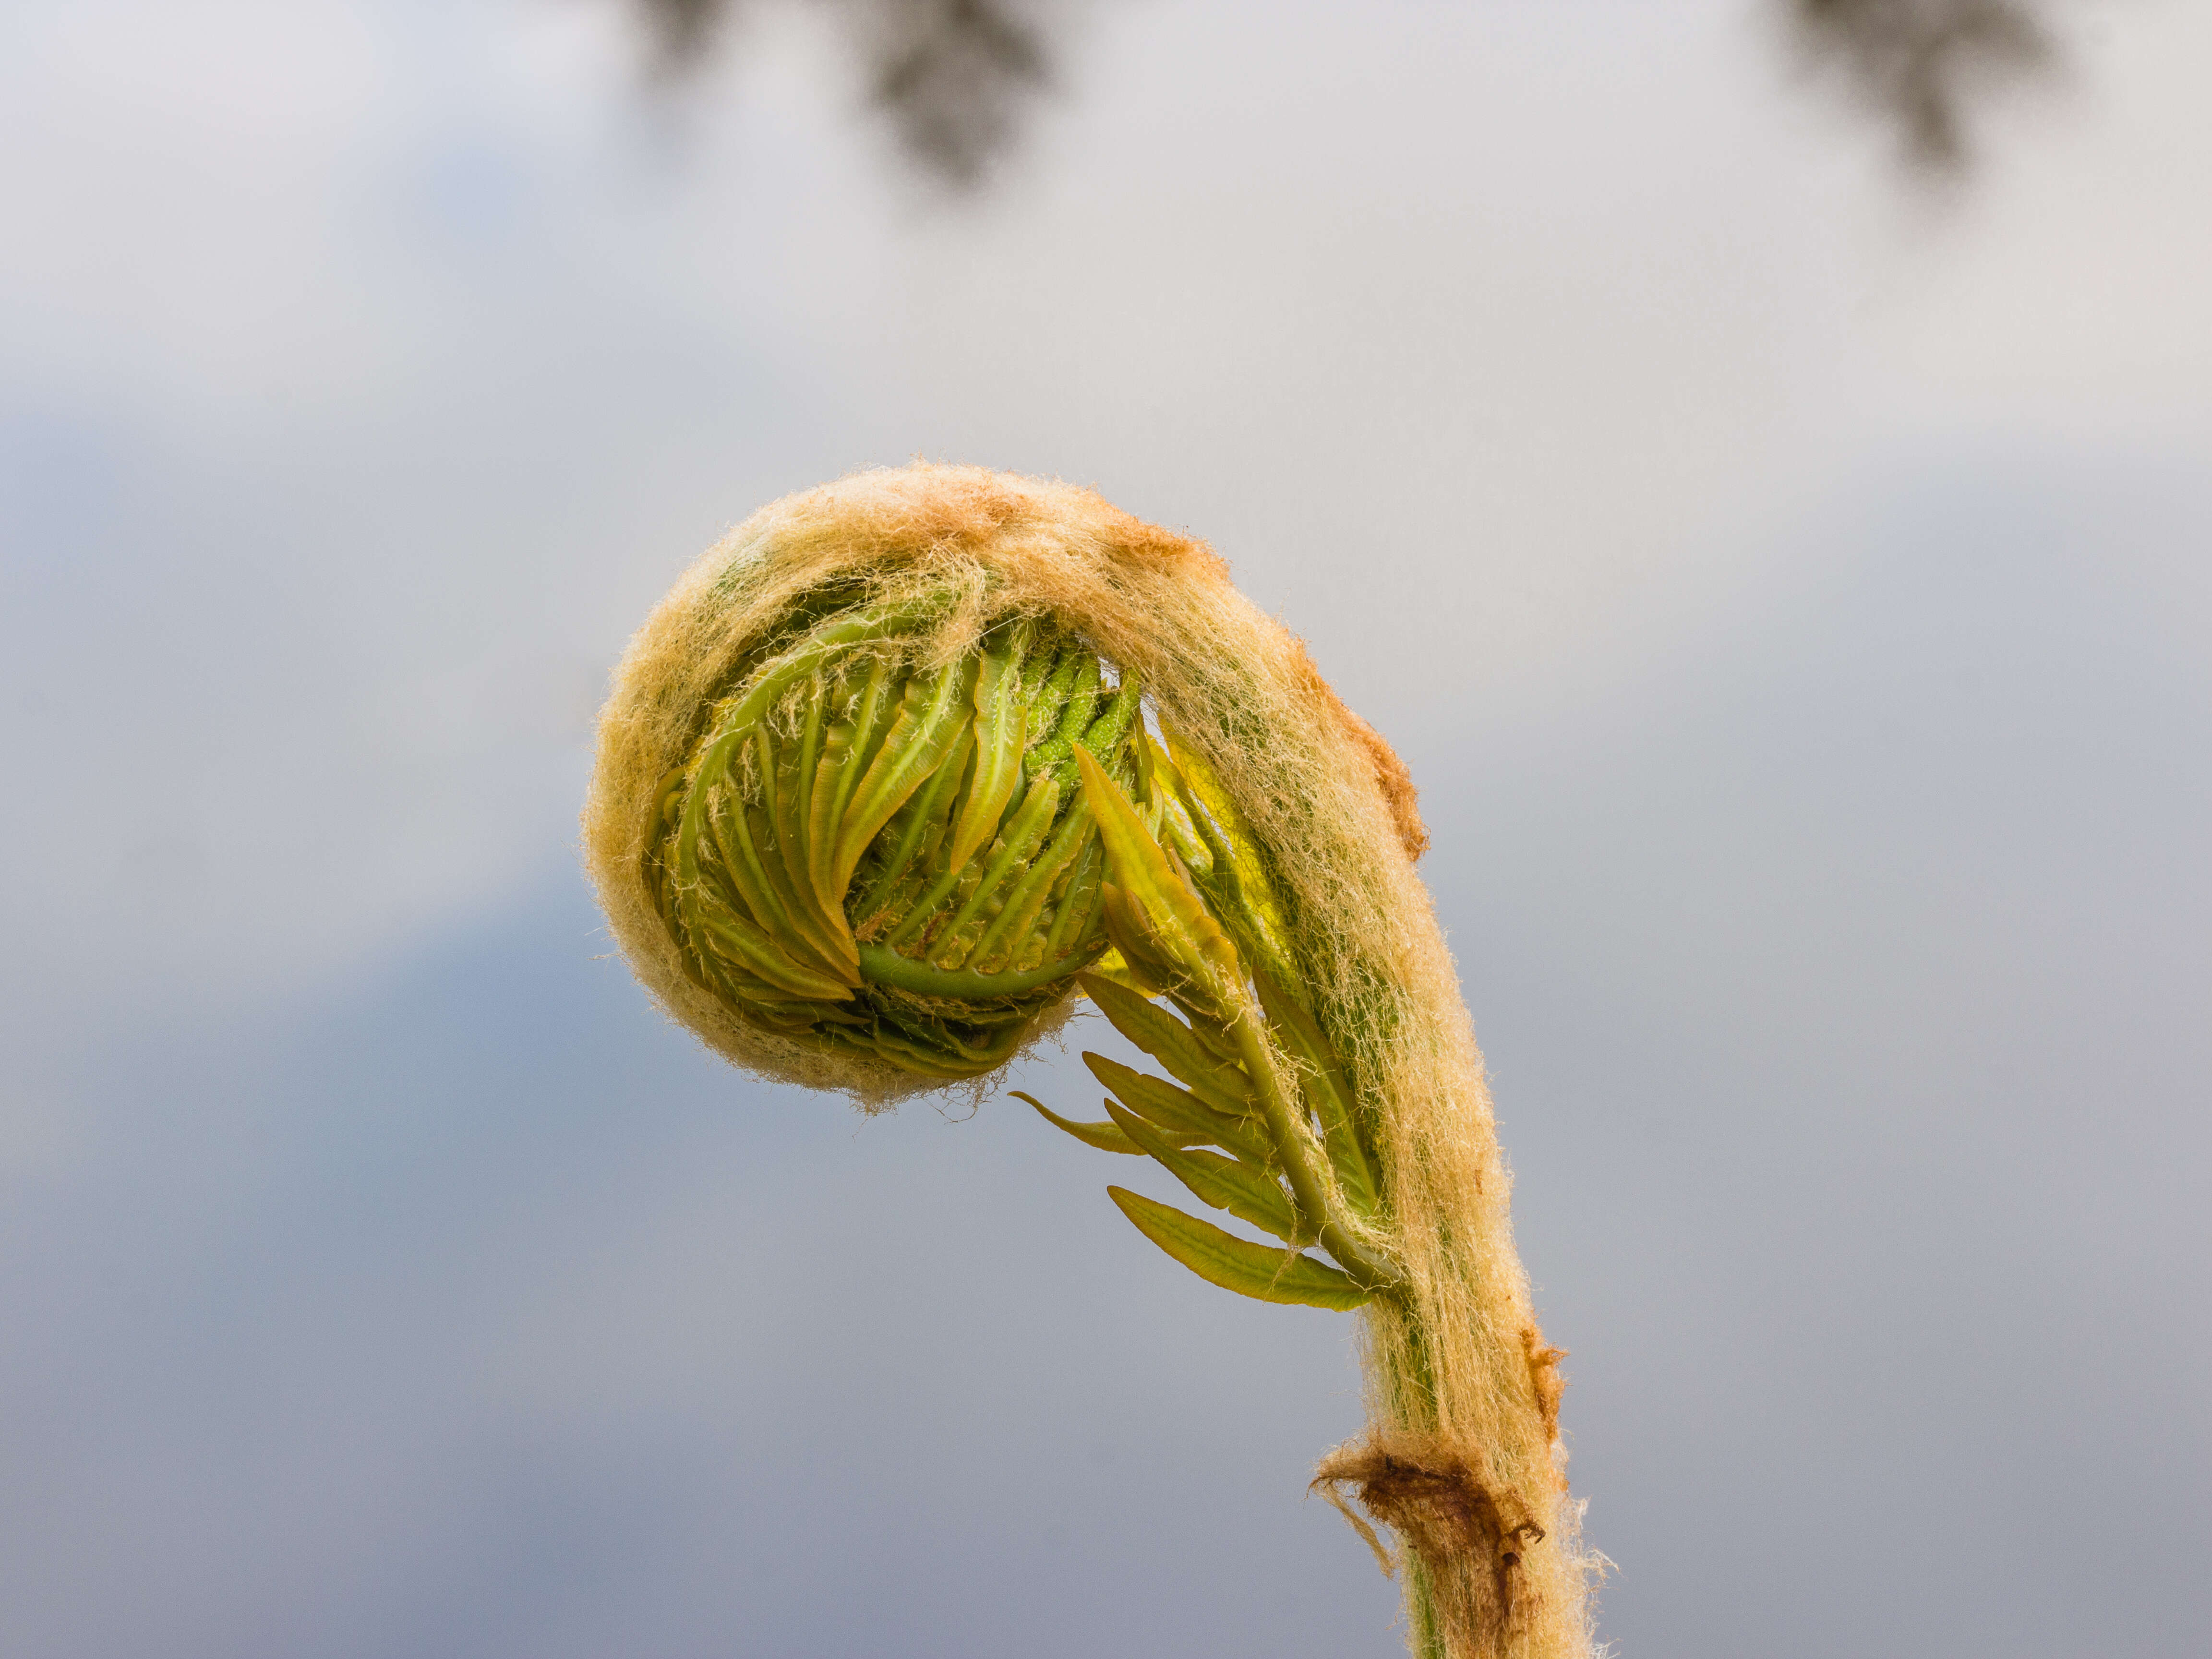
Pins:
x,y
911,762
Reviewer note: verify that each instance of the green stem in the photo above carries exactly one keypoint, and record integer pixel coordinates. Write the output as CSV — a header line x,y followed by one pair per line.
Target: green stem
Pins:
x,y
1295,1148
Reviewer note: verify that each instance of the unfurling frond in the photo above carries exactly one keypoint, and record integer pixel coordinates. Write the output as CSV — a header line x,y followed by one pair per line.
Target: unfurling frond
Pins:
x,y
911,762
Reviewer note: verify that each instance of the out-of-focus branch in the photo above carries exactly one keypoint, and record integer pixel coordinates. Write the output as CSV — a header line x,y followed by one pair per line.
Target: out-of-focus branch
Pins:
x,y
683,29
1920,64
952,75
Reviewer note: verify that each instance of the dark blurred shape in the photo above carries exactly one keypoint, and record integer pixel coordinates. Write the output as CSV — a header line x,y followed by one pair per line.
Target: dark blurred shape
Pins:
x,y
951,75
685,28
954,76
1919,64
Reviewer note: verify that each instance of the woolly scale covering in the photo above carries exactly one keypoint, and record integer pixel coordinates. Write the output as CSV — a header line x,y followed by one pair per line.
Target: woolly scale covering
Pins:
x,y
1461,1460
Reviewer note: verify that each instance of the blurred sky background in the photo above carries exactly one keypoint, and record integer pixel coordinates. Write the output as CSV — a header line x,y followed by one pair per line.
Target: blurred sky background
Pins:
x,y
1789,579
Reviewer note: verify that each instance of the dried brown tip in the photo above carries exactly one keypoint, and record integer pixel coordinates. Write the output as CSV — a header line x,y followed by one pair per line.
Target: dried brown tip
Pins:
x,y
1467,1530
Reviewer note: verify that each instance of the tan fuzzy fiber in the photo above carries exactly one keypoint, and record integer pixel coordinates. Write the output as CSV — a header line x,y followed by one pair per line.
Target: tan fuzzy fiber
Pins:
x,y
1462,1459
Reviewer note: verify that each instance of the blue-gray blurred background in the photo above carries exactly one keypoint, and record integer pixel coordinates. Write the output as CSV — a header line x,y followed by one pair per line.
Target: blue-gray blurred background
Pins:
x,y
1787,569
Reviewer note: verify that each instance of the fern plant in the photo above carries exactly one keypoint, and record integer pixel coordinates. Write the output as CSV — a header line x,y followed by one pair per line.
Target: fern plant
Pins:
x,y
909,763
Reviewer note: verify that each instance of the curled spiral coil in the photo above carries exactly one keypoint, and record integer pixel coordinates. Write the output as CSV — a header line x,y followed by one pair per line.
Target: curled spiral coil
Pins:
x,y
869,850
871,807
